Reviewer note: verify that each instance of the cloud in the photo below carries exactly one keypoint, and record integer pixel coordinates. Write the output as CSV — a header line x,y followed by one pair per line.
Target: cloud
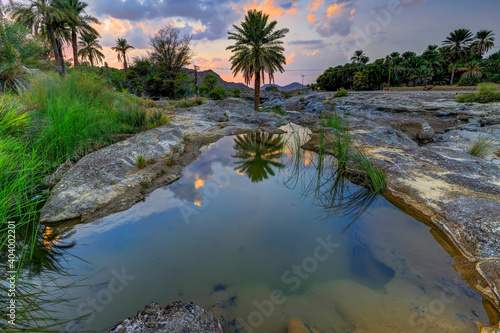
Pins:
x,y
273,8
289,59
335,19
216,16
306,42
313,53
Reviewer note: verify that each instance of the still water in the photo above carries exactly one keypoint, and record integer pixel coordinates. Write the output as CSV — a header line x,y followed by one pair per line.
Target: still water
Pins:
x,y
255,233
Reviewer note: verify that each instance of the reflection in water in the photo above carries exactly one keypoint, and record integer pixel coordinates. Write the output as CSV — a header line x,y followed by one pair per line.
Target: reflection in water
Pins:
x,y
257,154
40,284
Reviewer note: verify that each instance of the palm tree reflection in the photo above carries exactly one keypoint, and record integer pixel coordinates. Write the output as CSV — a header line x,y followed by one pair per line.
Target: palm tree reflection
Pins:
x,y
257,154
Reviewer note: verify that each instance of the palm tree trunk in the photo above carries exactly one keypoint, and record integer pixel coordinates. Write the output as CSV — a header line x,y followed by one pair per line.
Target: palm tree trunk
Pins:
x,y
453,73
91,61
256,97
125,66
74,42
59,46
57,55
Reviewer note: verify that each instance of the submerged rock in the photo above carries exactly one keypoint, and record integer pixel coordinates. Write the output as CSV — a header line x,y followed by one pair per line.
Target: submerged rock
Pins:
x,y
177,317
295,325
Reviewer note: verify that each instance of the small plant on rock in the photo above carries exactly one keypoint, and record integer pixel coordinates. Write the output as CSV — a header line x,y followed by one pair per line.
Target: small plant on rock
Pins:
x,y
141,161
483,147
341,93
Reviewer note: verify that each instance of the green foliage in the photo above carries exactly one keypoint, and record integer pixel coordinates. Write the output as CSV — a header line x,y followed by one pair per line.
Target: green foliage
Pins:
x,y
141,161
209,82
361,81
272,88
335,121
236,92
483,147
277,108
157,119
19,54
487,94
187,103
468,81
218,93
341,93
287,94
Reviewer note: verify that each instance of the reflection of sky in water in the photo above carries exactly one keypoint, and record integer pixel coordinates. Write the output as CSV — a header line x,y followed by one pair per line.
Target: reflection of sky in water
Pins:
x,y
246,235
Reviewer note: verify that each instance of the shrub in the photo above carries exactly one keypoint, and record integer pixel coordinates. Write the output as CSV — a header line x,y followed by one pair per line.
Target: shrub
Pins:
x,y
468,81
361,81
236,92
341,93
141,161
487,94
218,93
157,119
187,103
287,94
272,88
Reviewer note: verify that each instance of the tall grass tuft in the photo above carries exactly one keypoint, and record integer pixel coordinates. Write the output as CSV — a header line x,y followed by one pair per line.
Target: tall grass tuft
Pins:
x,y
483,147
488,93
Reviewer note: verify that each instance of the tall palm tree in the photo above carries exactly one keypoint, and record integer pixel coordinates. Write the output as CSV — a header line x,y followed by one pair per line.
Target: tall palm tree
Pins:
x,y
472,69
43,17
359,57
82,24
90,48
456,48
484,42
257,50
121,48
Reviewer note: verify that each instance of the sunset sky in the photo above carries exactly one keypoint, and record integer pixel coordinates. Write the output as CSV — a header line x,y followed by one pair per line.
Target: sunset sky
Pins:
x,y
322,33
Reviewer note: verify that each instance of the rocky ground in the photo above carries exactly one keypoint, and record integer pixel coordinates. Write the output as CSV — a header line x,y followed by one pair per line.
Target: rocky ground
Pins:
x,y
418,139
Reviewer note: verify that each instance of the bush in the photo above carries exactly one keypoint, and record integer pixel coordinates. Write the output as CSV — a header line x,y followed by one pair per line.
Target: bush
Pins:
x,y
218,93
287,94
487,94
361,81
341,93
272,88
187,103
468,81
236,92
157,119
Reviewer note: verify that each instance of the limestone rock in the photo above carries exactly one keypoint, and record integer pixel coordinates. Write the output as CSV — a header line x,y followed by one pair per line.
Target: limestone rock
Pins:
x,y
177,317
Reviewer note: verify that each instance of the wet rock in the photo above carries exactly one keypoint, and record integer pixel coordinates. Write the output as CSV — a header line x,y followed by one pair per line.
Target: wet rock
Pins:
x,y
295,325
417,129
177,317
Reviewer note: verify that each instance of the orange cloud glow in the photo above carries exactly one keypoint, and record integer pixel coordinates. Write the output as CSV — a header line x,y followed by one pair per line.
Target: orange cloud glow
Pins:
x,y
197,203
270,8
290,58
353,11
199,182
333,9
312,18
114,26
311,54
313,5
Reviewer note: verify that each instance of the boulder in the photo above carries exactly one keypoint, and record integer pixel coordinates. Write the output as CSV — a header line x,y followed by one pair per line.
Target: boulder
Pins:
x,y
417,129
177,317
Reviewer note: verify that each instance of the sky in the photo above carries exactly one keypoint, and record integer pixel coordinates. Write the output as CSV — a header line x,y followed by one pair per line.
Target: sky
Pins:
x,y
322,33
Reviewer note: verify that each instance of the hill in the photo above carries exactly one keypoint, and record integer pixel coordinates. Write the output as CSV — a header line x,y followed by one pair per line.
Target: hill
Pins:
x,y
227,85
288,87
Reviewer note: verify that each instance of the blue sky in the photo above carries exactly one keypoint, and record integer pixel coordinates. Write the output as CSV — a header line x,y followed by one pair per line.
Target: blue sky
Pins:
x,y
322,33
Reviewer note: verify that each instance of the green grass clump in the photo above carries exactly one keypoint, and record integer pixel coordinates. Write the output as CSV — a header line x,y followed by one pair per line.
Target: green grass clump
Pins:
x,y
341,93
141,161
483,147
287,94
278,109
188,102
157,119
335,121
487,94
236,92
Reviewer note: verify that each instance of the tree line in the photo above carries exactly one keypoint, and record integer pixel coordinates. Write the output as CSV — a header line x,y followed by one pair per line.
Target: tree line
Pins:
x,y
461,55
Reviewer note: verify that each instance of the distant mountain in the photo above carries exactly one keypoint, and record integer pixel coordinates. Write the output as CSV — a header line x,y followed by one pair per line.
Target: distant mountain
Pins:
x,y
288,87
227,85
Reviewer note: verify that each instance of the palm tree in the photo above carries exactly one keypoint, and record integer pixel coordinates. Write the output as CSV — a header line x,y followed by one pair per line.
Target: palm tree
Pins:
x,y
121,48
257,50
81,25
456,47
90,48
472,69
484,42
44,17
359,57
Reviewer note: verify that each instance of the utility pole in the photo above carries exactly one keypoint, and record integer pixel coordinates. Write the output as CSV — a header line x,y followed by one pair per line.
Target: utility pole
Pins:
x,y
389,83
303,83
196,79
